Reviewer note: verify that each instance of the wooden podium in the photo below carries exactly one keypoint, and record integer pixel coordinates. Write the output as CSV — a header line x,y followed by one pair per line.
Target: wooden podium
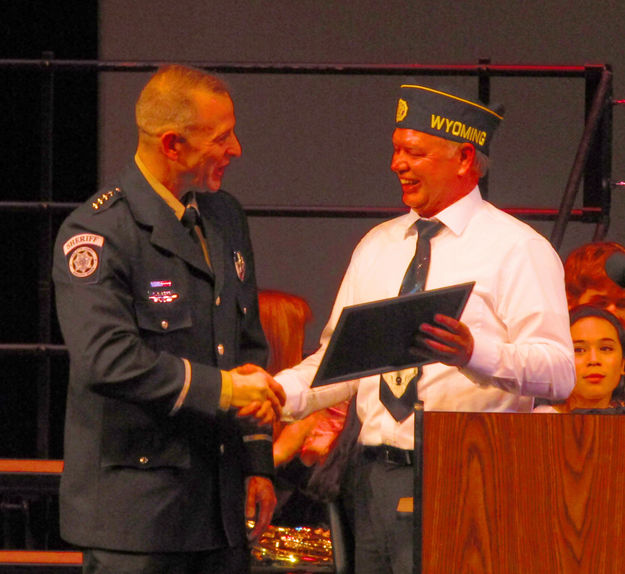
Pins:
x,y
523,493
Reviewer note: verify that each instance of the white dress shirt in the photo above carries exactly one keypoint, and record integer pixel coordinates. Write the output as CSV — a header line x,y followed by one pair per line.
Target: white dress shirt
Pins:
x,y
517,314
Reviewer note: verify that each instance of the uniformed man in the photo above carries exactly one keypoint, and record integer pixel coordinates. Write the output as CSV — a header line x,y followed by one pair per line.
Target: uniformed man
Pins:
x,y
156,297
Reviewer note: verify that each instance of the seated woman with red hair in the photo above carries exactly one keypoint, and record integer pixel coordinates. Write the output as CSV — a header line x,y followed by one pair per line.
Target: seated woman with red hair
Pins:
x,y
587,282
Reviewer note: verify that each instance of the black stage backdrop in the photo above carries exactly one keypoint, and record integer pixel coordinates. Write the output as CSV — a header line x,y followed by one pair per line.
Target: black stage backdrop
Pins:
x,y
30,28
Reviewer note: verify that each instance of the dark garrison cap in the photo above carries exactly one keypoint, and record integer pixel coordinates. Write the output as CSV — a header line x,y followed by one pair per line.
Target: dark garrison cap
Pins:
x,y
450,117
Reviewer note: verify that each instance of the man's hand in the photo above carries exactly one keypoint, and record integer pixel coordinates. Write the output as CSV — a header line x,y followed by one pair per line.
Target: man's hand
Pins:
x,y
259,504
289,442
255,393
451,344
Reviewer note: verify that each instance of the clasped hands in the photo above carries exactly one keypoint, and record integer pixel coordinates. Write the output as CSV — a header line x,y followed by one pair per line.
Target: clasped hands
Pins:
x,y
256,394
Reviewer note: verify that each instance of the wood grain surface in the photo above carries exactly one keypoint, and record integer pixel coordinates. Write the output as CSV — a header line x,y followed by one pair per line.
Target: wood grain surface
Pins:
x,y
523,493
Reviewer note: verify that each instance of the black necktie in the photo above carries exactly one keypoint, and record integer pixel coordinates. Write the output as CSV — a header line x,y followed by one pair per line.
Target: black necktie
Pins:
x,y
414,280
190,219
417,272
193,222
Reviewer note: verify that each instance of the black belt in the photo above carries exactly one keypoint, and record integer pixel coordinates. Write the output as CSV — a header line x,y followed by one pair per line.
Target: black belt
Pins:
x,y
389,454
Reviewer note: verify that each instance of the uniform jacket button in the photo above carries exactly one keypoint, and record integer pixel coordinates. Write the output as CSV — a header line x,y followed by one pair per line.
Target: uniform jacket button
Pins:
x,y
221,448
165,324
144,460
218,301
220,349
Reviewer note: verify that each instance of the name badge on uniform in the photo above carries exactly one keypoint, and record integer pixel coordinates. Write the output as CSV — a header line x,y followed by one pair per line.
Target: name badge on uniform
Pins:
x,y
239,265
162,292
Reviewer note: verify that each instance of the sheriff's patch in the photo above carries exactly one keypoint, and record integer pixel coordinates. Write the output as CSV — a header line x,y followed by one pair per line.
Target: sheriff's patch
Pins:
x,y
82,239
83,262
83,255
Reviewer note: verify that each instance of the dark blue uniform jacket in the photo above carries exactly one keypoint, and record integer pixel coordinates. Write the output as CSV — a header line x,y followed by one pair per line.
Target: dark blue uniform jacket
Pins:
x,y
134,297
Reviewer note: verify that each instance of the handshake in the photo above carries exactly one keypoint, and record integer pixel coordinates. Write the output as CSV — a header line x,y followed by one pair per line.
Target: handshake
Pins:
x,y
256,394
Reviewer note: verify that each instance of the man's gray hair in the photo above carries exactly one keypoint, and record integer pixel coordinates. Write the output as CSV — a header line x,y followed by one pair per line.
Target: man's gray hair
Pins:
x,y
166,101
481,163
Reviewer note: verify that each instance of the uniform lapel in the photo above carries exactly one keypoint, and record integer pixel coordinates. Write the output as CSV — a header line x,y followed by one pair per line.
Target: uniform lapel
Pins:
x,y
173,237
215,234
215,242
151,211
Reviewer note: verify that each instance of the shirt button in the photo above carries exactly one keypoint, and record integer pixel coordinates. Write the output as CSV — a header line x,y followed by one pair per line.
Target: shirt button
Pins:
x,y
165,324
144,460
220,349
218,301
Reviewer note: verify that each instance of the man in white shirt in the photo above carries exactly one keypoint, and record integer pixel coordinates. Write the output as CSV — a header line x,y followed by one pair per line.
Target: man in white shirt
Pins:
x,y
513,342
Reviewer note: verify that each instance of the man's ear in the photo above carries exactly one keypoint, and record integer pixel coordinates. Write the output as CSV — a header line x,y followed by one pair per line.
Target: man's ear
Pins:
x,y
170,144
467,155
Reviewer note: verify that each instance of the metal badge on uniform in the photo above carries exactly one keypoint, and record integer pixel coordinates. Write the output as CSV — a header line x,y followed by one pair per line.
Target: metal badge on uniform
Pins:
x,y
83,256
162,292
239,265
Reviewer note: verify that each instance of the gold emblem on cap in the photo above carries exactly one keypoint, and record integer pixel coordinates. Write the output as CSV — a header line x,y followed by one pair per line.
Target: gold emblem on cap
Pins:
x,y
402,110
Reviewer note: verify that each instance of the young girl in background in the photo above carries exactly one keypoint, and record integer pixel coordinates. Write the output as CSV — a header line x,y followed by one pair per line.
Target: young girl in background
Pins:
x,y
598,341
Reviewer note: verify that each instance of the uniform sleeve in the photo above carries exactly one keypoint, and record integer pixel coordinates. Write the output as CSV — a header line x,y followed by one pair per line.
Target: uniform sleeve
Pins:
x,y
96,312
537,357
258,445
